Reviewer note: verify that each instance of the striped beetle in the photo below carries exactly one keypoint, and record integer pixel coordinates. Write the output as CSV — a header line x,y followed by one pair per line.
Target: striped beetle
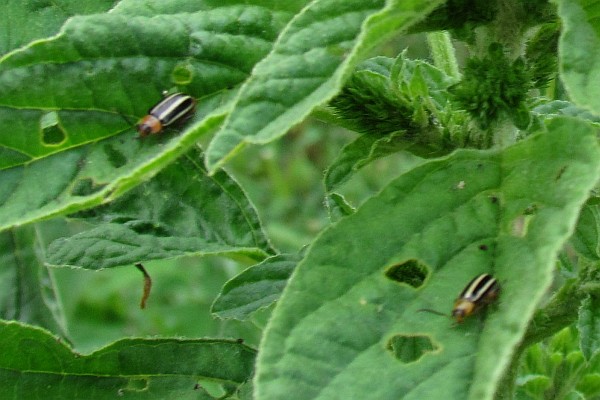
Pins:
x,y
481,291
174,108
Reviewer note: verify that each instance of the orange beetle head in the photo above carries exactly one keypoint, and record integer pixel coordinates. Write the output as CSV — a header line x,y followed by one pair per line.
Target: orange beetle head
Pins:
x,y
149,125
462,309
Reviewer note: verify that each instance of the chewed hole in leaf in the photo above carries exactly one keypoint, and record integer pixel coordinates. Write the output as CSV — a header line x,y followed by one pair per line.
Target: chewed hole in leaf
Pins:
x,y
137,385
182,74
531,209
410,348
519,225
211,388
52,133
411,272
114,156
85,187
53,136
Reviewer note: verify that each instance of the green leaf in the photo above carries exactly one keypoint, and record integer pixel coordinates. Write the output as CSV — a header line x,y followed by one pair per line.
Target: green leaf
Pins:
x,y
308,66
66,101
245,391
589,327
89,175
578,51
361,152
533,374
556,369
28,20
257,287
27,290
371,102
542,54
554,108
586,238
338,206
386,95
182,211
394,102
589,386
347,306
36,365
535,386
90,84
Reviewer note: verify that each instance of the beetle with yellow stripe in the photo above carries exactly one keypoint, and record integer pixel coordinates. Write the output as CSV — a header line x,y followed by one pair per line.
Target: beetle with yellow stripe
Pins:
x,y
173,109
479,292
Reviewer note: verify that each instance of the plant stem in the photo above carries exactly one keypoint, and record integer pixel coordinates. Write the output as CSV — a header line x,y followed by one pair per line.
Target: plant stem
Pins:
x,y
504,132
442,52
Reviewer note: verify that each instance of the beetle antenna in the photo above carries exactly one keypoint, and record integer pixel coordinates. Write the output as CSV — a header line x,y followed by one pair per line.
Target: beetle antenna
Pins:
x,y
127,120
429,310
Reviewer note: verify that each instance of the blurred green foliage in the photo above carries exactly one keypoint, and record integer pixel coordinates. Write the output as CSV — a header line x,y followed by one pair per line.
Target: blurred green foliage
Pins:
x,y
284,181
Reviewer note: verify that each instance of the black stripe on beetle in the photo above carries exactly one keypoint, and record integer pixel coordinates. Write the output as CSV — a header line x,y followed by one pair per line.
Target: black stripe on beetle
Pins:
x,y
173,109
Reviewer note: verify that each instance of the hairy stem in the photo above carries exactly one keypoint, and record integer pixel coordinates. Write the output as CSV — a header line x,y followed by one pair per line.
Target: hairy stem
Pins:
x,y
442,52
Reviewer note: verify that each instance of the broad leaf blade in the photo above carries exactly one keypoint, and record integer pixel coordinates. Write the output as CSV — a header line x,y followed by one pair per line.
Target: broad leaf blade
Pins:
x,y
502,212
579,59
27,291
182,211
63,100
25,21
555,108
307,67
90,175
134,368
255,288
90,83
589,327
359,153
586,238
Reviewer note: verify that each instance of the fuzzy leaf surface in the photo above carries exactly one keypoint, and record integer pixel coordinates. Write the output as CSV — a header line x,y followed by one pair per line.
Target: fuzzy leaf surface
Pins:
x,y
359,153
36,365
68,102
589,327
586,238
578,51
27,290
505,212
182,211
255,288
307,66
28,20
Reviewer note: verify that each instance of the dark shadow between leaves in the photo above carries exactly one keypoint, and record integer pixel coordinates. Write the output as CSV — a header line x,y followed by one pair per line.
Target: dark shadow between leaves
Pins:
x,y
149,228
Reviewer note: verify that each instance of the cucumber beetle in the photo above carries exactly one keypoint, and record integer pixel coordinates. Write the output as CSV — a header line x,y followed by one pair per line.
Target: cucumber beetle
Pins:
x,y
174,108
481,291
